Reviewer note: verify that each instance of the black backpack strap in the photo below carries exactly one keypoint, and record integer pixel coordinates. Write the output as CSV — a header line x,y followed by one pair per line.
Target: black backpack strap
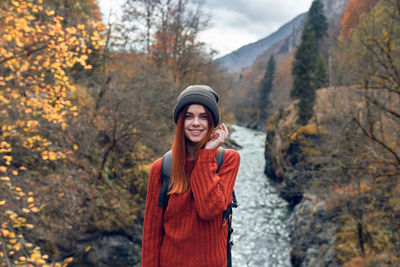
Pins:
x,y
227,220
234,200
220,158
229,241
166,170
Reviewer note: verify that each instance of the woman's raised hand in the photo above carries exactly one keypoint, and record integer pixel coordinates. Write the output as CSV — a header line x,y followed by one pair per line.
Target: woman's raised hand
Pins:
x,y
218,137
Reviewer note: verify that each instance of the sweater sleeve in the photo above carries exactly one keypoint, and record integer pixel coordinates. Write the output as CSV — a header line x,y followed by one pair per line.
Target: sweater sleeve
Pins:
x,y
152,227
213,191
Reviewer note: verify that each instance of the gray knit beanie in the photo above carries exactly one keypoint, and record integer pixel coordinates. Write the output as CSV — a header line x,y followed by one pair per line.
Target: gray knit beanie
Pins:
x,y
198,94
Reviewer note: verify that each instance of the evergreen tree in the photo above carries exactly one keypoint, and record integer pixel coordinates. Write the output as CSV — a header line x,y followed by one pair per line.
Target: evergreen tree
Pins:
x,y
265,89
309,72
317,19
303,68
304,62
320,74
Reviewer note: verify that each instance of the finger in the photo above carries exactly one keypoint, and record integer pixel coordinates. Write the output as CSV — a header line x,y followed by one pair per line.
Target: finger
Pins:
x,y
226,131
219,136
219,133
222,137
214,136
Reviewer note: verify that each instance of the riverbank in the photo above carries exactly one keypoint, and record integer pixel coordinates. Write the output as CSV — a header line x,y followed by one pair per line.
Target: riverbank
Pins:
x,y
345,206
287,149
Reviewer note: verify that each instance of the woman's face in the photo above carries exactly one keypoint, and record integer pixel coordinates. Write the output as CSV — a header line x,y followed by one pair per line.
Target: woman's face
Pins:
x,y
196,123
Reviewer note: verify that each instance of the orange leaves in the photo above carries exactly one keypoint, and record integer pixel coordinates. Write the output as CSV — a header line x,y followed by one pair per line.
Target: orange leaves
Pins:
x,y
52,156
82,60
354,10
7,159
31,48
5,232
50,13
15,3
38,142
7,37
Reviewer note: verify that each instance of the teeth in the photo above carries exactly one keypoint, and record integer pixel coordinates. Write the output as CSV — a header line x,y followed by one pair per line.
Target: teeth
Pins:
x,y
196,131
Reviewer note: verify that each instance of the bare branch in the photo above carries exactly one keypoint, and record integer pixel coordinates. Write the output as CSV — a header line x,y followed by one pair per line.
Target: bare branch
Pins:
x,y
374,138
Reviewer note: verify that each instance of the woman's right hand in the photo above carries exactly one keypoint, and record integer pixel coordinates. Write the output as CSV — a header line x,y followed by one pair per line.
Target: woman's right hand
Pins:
x,y
218,137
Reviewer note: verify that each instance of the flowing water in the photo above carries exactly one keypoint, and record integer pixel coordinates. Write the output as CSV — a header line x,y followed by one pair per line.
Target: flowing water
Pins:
x,y
260,233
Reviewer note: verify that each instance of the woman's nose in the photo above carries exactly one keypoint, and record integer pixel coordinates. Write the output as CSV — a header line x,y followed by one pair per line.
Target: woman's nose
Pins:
x,y
196,120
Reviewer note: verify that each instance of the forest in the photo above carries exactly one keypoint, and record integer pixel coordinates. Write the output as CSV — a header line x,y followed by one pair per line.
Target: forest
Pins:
x,y
86,108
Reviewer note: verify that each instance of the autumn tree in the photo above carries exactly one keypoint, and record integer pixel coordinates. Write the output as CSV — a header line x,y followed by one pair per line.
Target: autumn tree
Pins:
x,y
370,156
140,12
35,55
354,10
376,38
75,12
170,34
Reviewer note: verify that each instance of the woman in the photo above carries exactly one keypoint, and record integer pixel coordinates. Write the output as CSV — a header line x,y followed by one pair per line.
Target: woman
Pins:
x,y
191,231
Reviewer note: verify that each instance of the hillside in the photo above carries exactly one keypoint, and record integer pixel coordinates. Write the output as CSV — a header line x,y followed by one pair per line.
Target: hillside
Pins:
x,y
245,56
340,171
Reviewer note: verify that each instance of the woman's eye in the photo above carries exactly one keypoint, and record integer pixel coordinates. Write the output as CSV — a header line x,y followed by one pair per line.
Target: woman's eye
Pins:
x,y
188,116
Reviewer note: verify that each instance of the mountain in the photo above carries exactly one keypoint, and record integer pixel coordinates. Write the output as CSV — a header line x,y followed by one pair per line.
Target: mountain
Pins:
x,y
244,57
285,39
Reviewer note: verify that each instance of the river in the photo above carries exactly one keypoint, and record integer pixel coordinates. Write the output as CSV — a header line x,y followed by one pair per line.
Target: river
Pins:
x,y
260,237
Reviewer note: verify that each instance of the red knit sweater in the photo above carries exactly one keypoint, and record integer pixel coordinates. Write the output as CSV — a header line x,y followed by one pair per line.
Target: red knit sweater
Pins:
x,y
192,231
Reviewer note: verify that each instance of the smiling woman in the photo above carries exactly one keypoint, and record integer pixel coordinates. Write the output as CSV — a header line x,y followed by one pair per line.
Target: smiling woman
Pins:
x,y
191,230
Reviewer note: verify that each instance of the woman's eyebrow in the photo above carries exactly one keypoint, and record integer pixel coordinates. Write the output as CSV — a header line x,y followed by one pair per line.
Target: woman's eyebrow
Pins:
x,y
202,113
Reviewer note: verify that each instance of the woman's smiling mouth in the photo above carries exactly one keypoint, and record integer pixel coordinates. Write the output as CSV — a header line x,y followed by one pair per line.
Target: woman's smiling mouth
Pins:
x,y
196,132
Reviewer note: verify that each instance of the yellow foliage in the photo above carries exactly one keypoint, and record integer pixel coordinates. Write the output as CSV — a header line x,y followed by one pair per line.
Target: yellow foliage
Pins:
x,y
37,53
309,129
70,259
25,210
5,232
34,209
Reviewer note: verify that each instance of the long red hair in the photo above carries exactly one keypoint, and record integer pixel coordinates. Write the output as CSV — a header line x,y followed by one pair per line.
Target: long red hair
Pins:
x,y
179,182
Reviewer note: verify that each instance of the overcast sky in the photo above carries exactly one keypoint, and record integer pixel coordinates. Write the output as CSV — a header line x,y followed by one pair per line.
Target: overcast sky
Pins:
x,y
235,23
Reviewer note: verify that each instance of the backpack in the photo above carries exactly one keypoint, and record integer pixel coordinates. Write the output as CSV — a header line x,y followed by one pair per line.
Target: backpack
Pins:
x,y
166,170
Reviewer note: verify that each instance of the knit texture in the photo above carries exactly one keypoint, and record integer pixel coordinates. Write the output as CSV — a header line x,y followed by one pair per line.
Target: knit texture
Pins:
x,y
192,233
